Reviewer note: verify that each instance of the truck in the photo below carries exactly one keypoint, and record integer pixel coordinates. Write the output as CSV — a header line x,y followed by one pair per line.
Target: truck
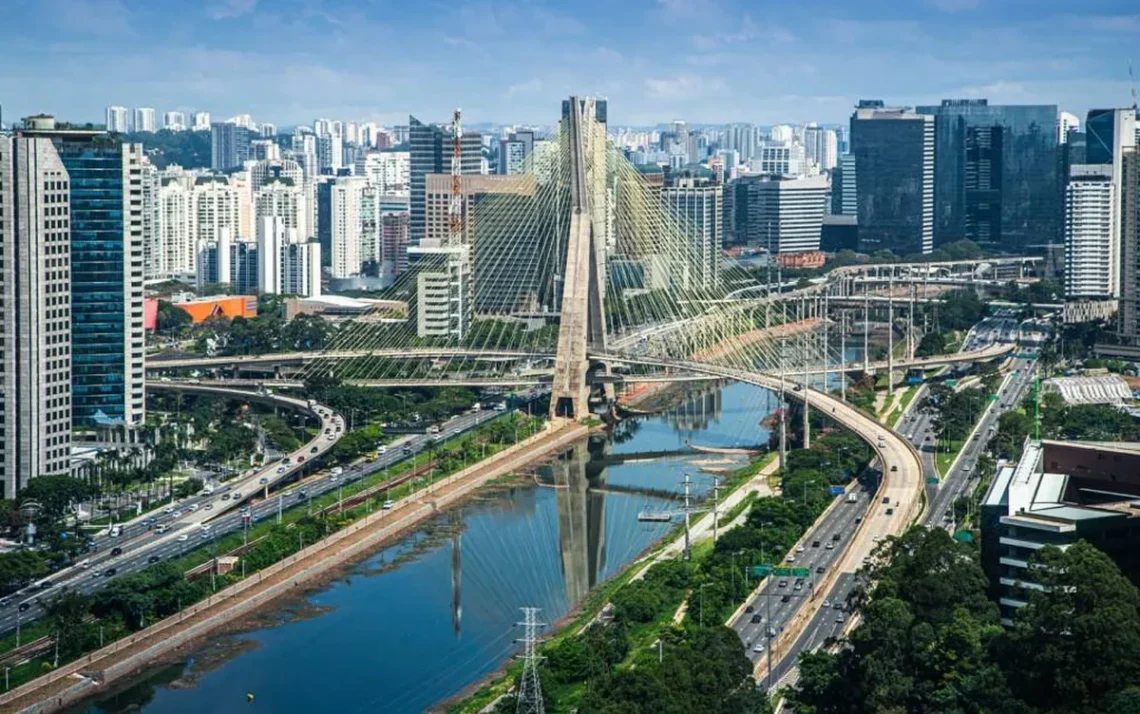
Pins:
x,y
852,497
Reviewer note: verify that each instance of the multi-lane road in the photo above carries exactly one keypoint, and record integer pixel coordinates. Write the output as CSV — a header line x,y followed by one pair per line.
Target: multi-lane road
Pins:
x,y
829,620
141,545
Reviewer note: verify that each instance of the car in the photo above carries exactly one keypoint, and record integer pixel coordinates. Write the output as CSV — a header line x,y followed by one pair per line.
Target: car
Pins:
x,y
300,459
839,618
302,493
859,519
208,507
193,507
330,437
280,470
819,569
109,572
205,535
771,631
168,510
263,480
756,619
749,609
388,505
826,604
314,450
332,477
116,551
836,537
407,449
153,559
183,538
288,494
381,449
800,549
24,606
815,544
758,649
237,495
782,584
830,546
886,500
161,528
176,514
838,605
890,511
799,586
786,598
790,559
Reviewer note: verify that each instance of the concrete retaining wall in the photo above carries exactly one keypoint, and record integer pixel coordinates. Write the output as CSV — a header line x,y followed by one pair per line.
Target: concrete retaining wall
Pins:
x,y
90,680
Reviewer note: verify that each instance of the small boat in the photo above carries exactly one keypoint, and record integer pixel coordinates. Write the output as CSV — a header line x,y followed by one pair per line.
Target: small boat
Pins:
x,y
654,517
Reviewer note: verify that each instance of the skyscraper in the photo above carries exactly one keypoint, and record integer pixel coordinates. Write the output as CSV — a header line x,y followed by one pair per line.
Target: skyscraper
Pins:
x,y
35,307
343,197
843,188
1106,132
229,146
144,119
201,121
107,334
215,208
1008,156
174,121
431,150
1066,122
821,146
1091,255
894,176
118,119
697,205
779,214
177,232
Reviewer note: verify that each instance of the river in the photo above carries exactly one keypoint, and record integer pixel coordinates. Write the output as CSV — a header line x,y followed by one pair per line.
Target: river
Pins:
x,y
421,620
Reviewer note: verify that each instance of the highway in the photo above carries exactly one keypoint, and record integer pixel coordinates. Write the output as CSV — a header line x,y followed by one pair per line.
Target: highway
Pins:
x,y
142,547
829,621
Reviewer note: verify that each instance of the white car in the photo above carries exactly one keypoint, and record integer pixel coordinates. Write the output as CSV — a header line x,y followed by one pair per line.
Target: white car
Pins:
x,y
388,505
800,549
176,514
193,507
790,559
280,469
183,538
382,450
168,510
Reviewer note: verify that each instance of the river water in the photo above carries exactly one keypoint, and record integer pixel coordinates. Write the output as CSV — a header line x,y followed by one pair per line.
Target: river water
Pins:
x,y
425,618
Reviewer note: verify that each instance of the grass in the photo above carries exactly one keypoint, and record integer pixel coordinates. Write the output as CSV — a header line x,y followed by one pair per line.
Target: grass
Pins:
x,y
945,457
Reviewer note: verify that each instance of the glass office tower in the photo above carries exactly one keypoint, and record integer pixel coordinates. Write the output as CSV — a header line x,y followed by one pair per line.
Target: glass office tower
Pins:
x,y
996,174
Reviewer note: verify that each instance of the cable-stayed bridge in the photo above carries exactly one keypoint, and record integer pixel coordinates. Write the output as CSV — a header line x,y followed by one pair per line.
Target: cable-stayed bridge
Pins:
x,y
583,272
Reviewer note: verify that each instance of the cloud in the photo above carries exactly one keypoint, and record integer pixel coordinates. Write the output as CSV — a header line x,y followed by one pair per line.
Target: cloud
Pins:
x,y
746,32
222,9
683,87
688,9
91,18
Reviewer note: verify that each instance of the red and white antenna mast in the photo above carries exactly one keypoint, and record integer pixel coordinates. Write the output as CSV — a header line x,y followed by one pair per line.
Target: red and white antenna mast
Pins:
x,y
455,206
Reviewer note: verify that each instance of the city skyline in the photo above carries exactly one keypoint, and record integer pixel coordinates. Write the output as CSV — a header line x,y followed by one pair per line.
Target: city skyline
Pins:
x,y
706,61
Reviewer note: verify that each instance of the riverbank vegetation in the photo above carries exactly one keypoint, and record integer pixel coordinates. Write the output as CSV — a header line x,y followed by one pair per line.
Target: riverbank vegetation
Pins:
x,y
931,639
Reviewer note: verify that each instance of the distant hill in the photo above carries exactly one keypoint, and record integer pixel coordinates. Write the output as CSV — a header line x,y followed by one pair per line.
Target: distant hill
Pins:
x,y
188,149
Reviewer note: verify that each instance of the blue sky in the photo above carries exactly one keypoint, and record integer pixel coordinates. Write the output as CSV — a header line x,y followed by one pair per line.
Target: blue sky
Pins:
x,y
289,61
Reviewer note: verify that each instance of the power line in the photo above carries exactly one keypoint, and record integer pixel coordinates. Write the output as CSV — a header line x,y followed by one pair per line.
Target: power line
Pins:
x,y
530,688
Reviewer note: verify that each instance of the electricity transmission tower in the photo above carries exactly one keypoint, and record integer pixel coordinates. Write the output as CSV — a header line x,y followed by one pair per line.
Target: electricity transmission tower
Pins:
x,y
530,689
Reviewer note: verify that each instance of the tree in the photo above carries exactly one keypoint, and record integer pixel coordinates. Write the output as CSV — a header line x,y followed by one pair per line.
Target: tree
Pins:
x,y
55,494
1013,428
1077,642
932,343
66,617
172,320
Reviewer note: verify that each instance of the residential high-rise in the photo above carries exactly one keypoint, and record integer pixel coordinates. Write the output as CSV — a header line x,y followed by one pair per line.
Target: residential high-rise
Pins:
x,y
821,146
514,150
264,150
431,150
894,176
118,119
780,214
387,171
152,219
301,269
1107,131
282,200
144,119
780,160
174,121
268,130
741,138
1066,122
272,237
1008,155
394,241
341,223
177,231
35,307
1091,253
287,171
215,207
201,121
1128,222
229,146
443,296
330,154
697,205
107,334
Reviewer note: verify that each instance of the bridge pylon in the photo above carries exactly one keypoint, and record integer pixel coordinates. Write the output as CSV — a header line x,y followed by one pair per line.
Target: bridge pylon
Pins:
x,y
582,325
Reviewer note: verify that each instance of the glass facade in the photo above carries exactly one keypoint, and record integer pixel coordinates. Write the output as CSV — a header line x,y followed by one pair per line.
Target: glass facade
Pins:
x,y
1100,135
996,174
99,333
894,170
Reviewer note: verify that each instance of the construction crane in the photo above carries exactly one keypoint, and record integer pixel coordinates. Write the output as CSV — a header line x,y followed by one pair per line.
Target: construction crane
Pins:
x,y
455,205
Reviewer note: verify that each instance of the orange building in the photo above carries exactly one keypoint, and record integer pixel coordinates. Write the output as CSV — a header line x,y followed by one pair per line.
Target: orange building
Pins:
x,y
806,259
230,306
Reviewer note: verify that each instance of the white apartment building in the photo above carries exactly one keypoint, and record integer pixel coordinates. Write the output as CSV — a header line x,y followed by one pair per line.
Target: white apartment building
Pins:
x,y
443,290
264,150
821,147
215,207
283,200
201,121
1066,122
174,121
35,313
779,160
389,172
177,234
1091,252
301,269
347,194
144,119
118,119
